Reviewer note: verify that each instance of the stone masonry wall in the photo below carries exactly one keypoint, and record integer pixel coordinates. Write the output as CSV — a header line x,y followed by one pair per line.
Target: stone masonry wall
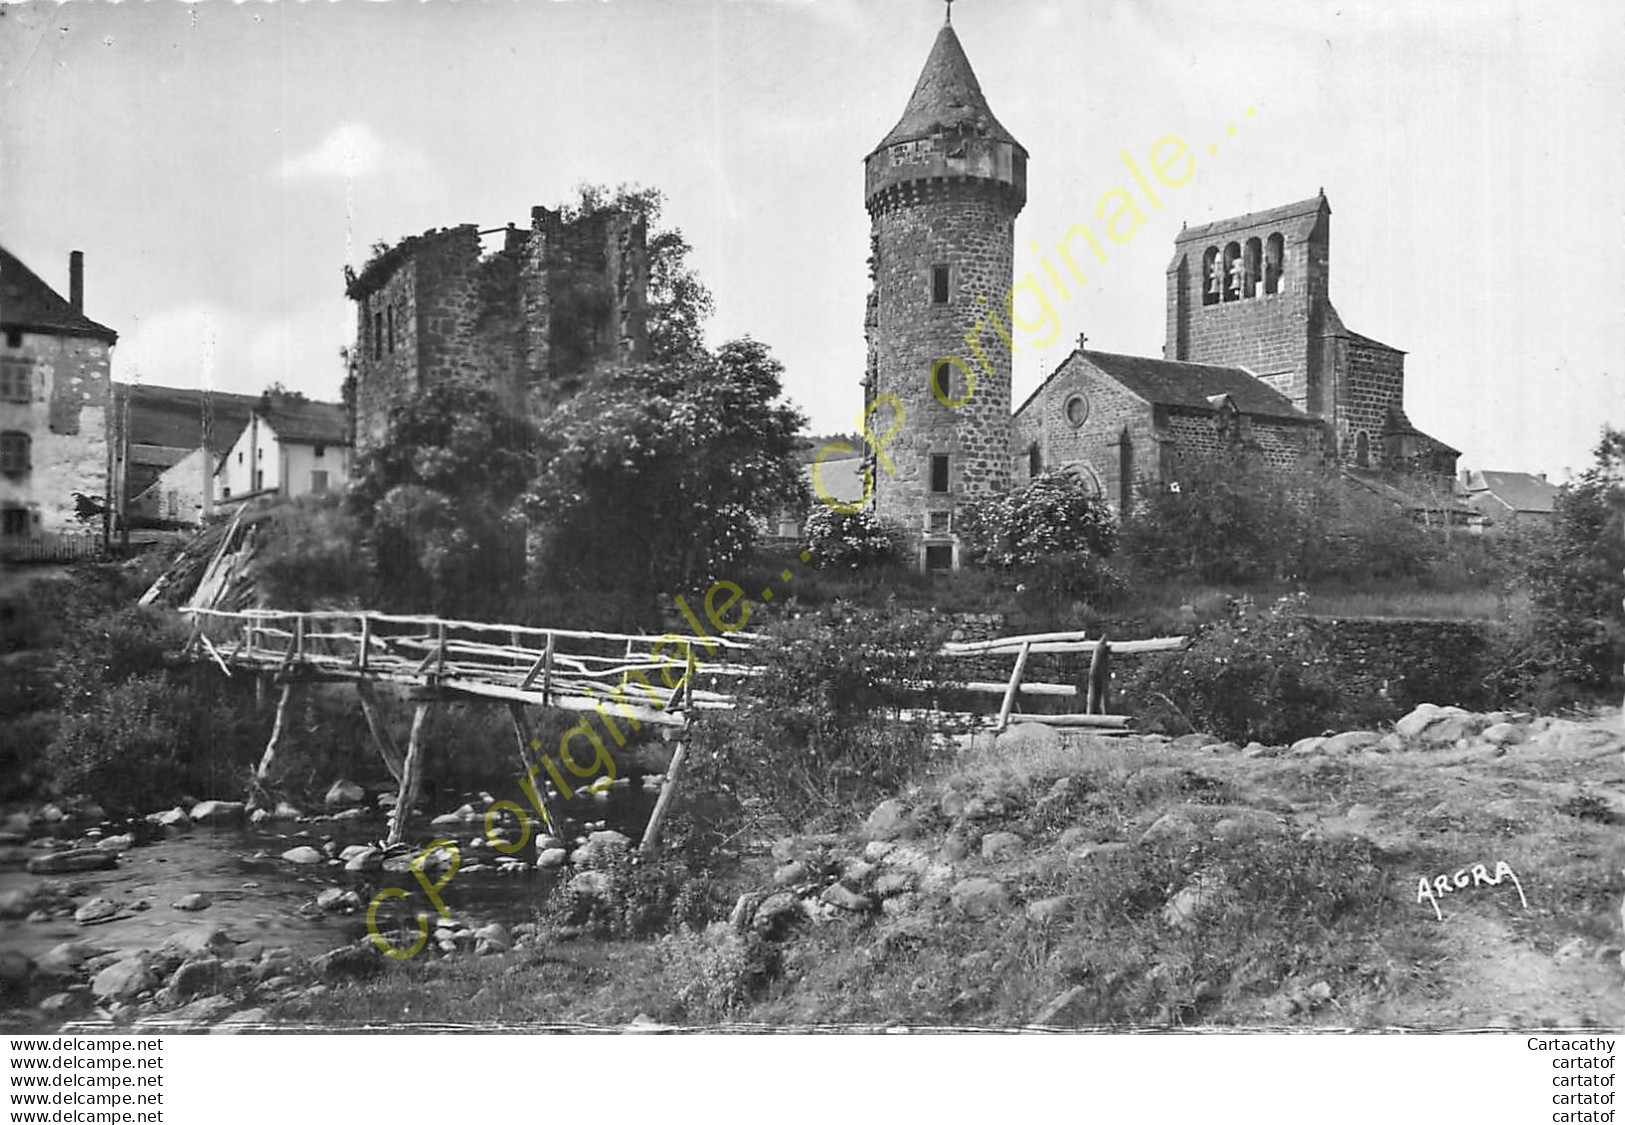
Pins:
x,y
1096,444
1374,384
1412,661
1282,445
66,420
970,230
392,376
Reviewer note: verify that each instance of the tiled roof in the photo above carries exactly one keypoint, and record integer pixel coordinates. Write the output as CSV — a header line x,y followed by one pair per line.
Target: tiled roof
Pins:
x,y
1416,498
1521,492
27,303
307,423
1367,341
1164,382
947,97
1398,423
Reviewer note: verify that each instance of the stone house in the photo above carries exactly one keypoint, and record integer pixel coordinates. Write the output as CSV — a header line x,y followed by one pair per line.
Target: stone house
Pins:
x,y
290,446
529,320
55,387
1510,500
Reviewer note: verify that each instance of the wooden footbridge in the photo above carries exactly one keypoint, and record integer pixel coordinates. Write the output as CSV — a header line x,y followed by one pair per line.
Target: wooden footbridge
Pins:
x,y
621,677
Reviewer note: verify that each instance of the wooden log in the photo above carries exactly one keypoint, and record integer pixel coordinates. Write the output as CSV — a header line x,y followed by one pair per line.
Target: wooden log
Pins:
x,y
411,775
1100,679
668,790
380,733
1015,685
530,763
1076,720
275,742
989,688
1151,644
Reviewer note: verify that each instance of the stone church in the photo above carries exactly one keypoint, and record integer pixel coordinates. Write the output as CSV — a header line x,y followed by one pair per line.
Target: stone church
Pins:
x,y
1255,356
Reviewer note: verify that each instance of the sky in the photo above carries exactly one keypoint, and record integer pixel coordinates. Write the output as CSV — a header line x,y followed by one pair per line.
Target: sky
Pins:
x,y
219,164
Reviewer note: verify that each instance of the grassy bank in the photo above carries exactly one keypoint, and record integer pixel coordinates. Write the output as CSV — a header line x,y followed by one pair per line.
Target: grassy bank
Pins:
x,y
1139,884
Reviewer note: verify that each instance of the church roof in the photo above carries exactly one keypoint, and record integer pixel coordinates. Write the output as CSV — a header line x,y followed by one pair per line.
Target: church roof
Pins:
x,y
947,98
1165,382
28,304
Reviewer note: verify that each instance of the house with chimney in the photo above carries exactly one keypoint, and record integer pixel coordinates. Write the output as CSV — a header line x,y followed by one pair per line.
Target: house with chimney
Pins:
x,y
55,394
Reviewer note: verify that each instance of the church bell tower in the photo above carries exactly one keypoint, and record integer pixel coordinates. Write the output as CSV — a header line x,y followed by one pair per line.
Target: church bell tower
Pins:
x,y
943,190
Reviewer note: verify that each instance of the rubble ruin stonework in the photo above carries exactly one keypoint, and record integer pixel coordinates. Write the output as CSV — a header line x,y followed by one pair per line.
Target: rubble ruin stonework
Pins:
x,y
530,320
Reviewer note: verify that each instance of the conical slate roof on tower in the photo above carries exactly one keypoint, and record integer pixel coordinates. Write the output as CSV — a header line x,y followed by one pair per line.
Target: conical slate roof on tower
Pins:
x,y
947,98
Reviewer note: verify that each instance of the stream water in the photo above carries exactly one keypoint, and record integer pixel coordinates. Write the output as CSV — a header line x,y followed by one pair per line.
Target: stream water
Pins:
x,y
257,896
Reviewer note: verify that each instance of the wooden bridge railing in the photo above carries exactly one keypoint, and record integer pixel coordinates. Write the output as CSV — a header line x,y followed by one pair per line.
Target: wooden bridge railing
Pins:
x,y
646,679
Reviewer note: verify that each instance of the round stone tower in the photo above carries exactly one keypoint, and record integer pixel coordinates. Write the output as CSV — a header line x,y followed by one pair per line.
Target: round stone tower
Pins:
x,y
943,190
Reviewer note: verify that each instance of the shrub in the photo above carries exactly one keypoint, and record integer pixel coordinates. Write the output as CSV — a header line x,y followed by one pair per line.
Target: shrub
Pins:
x,y
309,555
719,969
1255,676
132,733
1572,643
130,748
641,895
821,731
1052,537
1054,514
850,540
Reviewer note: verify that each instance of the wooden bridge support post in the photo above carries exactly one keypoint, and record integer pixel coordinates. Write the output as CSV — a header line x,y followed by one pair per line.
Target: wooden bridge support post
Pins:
x,y
411,775
277,728
526,734
380,733
1015,686
1100,679
668,790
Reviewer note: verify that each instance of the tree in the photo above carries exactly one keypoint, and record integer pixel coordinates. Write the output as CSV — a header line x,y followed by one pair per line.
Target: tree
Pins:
x,y
656,476
438,502
1576,579
679,303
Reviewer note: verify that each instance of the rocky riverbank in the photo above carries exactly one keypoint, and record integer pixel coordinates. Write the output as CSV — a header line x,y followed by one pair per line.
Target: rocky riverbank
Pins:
x,y
1040,878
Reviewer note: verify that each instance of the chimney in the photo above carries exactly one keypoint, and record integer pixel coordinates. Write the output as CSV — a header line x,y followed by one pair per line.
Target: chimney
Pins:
x,y
76,280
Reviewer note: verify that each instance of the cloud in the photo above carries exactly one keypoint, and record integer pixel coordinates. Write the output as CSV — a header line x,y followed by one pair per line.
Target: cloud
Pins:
x,y
350,151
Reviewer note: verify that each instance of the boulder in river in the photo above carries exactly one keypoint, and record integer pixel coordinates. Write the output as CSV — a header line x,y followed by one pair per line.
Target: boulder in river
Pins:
x,y
73,860
343,792
304,854
96,910
123,980
218,812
